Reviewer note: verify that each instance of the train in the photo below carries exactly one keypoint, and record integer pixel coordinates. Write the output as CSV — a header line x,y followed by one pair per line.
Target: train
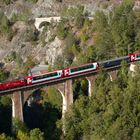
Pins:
x,y
69,72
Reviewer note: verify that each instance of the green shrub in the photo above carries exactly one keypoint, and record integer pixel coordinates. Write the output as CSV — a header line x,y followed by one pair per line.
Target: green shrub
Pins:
x,y
31,35
10,57
58,0
7,2
4,24
33,1
3,75
62,30
24,16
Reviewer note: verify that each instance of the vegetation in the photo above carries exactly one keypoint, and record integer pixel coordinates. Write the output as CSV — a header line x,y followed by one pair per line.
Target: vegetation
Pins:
x,y
6,1
24,15
116,32
4,24
5,115
33,1
31,35
113,110
3,75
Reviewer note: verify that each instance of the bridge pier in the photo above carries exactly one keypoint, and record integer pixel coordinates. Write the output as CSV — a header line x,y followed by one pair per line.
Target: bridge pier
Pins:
x,y
17,105
66,91
91,83
65,88
113,75
18,99
68,94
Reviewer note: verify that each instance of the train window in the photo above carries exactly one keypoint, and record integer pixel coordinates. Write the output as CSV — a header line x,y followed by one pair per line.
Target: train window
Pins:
x,y
127,59
52,74
45,76
138,56
115,62
82,68
37,78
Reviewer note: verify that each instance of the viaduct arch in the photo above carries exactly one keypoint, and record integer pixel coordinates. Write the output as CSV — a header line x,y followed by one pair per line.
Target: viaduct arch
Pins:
x,y
65,88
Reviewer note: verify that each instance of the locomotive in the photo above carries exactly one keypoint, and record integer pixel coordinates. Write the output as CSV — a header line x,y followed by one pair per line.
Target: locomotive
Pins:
x,y
69,72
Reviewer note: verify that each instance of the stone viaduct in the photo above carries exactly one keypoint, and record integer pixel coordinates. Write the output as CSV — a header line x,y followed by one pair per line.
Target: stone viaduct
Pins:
x,y
38,21
64,87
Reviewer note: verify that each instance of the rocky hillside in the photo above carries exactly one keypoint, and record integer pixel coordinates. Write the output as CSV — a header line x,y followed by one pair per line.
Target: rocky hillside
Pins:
x,y
21,42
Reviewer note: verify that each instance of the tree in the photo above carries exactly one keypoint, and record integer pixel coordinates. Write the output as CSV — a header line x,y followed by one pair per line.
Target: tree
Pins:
x,y
3,75
4,24
77,116
29,63
18,125
74,15
5,114
80,87
22,135
3,137
62,30
123,31
103,38
36,134
111,113
123,75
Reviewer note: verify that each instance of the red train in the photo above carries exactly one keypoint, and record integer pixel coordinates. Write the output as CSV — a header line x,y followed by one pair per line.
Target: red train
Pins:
x,y
68,72
12,84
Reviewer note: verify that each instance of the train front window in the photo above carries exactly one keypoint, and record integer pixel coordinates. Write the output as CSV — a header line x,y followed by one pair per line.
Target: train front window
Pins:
x,y
138,55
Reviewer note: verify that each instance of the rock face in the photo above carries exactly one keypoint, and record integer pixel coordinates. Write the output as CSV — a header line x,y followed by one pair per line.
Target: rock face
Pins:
x,y
42,54
53,50
43,8
48,52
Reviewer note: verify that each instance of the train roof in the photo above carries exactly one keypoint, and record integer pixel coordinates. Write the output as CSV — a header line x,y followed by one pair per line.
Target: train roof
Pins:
x,y
81,65
119,58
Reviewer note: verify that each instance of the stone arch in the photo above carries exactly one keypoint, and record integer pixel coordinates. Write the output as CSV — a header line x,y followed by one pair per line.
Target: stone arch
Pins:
x,y
32,109
36,114
43,23
27,95
30,96
65,88
61,90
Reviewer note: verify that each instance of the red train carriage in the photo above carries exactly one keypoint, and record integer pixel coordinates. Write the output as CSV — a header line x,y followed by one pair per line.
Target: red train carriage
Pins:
x,y
80,69
1,86
67,72
12,84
